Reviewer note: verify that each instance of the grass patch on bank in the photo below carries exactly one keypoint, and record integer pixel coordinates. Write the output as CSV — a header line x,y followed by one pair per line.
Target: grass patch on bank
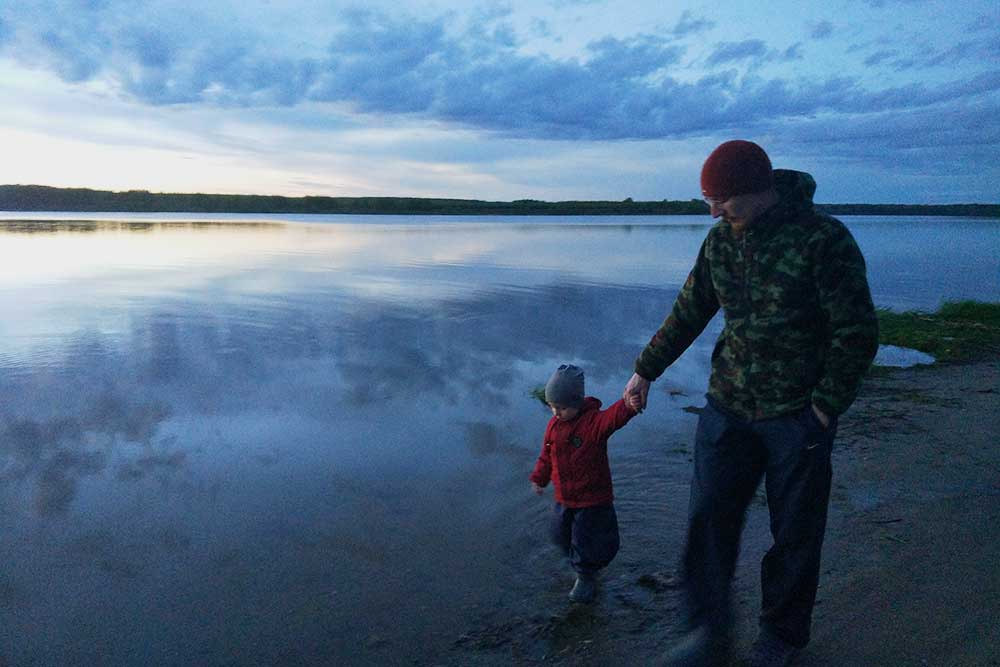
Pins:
x,y
958,331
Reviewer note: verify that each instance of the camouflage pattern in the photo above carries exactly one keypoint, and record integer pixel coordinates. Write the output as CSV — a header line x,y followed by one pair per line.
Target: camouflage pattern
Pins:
x,y
800,324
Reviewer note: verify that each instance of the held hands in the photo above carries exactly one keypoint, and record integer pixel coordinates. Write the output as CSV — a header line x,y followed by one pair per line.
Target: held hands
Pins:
x,y
636,392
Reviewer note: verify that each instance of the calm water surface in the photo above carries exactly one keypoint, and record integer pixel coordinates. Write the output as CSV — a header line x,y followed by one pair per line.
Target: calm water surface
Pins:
x,y
280,440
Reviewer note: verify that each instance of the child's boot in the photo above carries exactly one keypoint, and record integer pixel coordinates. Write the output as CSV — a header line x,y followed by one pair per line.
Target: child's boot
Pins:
x,y
584,589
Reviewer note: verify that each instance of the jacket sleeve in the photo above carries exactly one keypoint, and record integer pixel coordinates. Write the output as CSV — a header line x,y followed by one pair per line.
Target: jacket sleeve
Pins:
x,y
695,306
543,466
614,418
852,325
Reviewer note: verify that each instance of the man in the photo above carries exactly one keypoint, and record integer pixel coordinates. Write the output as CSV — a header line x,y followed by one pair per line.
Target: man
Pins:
x,y
800,332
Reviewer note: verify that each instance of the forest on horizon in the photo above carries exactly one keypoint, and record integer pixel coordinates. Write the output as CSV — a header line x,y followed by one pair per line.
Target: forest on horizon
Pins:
x,y
46,198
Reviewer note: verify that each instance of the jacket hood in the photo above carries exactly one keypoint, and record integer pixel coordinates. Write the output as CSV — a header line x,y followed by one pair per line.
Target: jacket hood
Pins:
x,y
590,403
796,188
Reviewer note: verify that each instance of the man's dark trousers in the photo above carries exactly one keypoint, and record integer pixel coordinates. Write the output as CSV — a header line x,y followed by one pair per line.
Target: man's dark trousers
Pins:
x,y
792,453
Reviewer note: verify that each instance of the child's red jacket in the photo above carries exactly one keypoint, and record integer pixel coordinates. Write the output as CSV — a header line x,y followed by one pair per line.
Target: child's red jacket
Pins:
x,y
575,454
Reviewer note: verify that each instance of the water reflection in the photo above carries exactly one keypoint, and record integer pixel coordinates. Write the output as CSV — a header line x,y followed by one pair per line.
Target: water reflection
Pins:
x,y
285,443
268,443
920,262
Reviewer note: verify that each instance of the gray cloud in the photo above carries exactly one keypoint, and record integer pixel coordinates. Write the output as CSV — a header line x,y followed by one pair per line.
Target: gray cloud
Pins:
x,y
918,95
728,52
821,30
793,52
983,23
543,28
753,52
635,58
926,150
880,57
967,51
473,77
689,24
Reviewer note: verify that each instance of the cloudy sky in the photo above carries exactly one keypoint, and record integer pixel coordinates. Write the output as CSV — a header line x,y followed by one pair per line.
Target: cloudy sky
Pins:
x,y
882,100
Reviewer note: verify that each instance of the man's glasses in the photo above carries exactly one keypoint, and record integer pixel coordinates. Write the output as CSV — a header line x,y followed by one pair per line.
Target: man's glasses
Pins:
x,y
713,201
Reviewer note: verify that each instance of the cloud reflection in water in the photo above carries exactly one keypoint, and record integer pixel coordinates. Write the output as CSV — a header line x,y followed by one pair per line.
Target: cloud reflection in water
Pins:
x,y
326,429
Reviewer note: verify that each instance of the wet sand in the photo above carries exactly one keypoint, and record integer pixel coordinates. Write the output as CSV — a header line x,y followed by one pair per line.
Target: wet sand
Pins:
x,y
911,570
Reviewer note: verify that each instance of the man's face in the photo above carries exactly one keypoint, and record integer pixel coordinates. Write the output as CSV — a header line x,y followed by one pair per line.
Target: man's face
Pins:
x,y
737,210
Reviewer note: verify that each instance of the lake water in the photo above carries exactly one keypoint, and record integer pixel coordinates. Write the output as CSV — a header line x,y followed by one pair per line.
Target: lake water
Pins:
x,y
306,440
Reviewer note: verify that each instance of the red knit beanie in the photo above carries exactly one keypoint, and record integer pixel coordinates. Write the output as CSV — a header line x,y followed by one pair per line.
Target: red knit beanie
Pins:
x,y
736,168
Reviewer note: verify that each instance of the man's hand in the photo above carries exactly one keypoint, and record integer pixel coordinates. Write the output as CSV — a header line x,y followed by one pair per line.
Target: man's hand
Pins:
x,y
823,418
537,489
636,392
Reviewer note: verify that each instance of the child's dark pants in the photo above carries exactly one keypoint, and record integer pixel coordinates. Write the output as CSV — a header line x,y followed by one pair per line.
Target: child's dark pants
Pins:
x,y
588,535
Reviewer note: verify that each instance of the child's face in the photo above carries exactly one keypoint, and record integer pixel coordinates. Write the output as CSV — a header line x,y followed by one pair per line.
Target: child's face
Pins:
x,y
563,412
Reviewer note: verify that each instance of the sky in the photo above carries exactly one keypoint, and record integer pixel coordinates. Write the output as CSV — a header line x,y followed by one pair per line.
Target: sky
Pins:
x,y
883,101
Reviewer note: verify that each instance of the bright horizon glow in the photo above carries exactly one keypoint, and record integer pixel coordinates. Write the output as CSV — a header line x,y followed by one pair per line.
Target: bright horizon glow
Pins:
x,y
883,101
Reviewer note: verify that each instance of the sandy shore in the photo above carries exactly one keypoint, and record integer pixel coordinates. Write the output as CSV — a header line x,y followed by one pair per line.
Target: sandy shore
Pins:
x,y
912,563
911,570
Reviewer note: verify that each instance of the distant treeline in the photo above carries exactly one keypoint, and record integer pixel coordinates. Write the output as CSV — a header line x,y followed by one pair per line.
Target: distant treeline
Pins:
x,y
965,210
44,198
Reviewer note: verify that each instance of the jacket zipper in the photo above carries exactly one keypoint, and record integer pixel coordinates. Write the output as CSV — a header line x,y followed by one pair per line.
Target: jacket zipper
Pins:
x,y
747,260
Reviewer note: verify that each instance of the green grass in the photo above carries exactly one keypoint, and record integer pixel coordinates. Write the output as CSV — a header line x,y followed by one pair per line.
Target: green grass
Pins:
x,y
539,393
958,331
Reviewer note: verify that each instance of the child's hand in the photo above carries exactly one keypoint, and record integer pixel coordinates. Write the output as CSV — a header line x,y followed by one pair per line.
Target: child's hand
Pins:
x,y
637,386
537,489
635,402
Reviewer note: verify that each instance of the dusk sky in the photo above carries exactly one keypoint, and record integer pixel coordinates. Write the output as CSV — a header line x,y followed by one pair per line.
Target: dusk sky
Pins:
x,y
881,100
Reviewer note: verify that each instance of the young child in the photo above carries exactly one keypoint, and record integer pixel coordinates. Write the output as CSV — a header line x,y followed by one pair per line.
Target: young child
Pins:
x,y
575,458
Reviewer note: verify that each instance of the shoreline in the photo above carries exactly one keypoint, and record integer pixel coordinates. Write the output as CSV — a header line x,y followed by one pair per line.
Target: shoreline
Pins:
x,y
911,567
